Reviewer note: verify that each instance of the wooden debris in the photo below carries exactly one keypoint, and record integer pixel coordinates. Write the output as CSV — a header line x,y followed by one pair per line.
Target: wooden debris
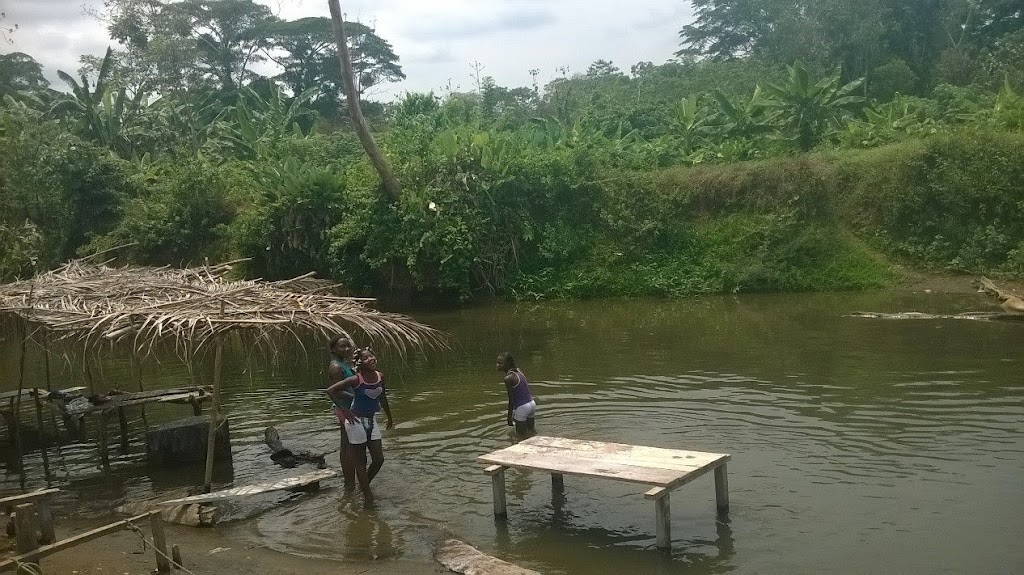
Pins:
x,y
286,457
1008,300
462,558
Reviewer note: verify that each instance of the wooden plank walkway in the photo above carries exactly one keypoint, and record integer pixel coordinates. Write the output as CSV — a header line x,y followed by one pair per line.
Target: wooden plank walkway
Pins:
x,y
185,395
279,485
663,469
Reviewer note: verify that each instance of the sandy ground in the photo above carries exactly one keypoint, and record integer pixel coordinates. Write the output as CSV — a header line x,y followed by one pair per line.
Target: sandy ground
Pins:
x,y
204,551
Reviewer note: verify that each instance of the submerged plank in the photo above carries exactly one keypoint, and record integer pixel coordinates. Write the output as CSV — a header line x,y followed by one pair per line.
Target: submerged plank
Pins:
x,y
281,484
463,558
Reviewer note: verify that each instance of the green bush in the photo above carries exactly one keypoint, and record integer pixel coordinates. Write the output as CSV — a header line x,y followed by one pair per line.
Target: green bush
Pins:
x,y
69,190
181,218
953,202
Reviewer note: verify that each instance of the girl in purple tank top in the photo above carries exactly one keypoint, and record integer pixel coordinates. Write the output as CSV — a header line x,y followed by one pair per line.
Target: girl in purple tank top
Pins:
x,y
522,409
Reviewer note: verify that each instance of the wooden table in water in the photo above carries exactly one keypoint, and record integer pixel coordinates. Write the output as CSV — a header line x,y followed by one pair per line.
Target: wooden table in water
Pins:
x,y
665,469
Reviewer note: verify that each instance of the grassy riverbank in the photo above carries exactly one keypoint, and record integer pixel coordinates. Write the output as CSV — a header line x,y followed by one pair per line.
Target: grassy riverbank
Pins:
x,y
825,221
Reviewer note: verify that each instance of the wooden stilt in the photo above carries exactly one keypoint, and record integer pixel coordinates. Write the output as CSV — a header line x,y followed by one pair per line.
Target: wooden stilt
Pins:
x,y
722,488
557,484
211,440
26,527
176,557
163,565
497,473
47,534
42,442
104,454
662,516
137,366
122,423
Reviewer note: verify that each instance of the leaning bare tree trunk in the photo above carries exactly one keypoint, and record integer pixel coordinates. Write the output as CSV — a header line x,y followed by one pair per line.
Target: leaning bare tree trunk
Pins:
x,y
380,163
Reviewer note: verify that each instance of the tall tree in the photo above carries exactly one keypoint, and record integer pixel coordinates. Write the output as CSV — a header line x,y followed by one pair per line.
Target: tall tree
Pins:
x,y
229,36
20,73
726,29
310,58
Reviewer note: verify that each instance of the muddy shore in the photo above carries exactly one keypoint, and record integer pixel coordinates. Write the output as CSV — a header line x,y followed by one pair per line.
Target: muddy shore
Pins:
x,y
205,551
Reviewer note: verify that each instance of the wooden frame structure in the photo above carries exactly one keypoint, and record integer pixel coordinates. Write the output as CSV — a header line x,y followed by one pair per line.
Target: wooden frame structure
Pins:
x,y
192,309
664,469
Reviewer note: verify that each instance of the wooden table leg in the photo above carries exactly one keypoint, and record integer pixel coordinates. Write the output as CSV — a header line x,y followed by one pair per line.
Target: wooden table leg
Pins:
x,y
557,484
722,488
497,473
663,516
46,533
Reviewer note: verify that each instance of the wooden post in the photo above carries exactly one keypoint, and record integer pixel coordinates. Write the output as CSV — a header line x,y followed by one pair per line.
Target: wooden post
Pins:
x,y
137,367
497,473
122,423
722,488
662,516
163,565
557,484
104,454
176,557
211,440
46,532
25,527
39,424
16,404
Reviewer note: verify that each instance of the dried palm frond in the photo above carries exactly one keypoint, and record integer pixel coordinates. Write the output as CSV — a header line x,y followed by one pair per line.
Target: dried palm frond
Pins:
x,y
190,307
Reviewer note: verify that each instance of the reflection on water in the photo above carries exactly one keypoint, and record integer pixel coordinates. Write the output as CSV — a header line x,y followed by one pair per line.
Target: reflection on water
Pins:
x,y
858,444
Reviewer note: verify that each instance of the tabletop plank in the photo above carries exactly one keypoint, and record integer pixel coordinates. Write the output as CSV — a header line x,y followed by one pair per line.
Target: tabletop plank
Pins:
x,y
589,467
632,463
675,459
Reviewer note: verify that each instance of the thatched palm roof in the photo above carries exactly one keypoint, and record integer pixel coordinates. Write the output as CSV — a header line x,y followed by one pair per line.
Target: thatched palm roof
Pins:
x,y
144,306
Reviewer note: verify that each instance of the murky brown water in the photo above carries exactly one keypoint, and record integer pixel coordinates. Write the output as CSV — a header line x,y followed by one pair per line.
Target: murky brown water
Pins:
x,y
859,445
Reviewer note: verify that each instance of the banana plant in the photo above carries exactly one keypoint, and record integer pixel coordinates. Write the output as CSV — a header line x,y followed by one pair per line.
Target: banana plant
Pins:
x,y
692,123
259,121
100,113
810,109
747,118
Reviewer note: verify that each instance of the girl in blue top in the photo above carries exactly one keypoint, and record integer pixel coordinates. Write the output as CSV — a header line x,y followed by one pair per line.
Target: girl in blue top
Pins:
x,y
368,397
339,370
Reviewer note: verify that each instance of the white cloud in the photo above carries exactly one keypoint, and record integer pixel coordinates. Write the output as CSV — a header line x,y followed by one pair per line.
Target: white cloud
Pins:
x,y
435,40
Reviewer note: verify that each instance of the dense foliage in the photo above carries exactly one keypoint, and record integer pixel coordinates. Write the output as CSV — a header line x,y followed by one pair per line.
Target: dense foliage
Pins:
x,y
773,162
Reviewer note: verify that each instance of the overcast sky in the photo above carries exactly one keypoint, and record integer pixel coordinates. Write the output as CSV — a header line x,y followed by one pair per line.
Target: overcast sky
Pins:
x,y
436,40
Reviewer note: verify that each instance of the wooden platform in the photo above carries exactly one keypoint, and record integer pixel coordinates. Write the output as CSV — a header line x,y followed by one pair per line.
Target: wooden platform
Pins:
x,y
664,469
193,396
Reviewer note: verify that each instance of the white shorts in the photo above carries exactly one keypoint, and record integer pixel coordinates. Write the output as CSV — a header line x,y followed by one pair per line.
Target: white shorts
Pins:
x,y
362,428
525,411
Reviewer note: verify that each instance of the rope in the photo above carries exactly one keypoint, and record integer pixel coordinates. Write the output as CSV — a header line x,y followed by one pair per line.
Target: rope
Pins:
x,y
146,541
27,568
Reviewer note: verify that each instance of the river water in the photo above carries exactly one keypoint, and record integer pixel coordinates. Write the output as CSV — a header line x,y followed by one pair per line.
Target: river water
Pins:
x,y
858,445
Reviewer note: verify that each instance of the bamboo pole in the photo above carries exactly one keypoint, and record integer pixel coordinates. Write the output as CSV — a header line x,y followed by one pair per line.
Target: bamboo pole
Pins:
x,y
16,415
211,439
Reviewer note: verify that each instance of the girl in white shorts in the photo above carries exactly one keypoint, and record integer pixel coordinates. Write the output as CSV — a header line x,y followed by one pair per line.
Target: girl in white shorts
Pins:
x,y
369,397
